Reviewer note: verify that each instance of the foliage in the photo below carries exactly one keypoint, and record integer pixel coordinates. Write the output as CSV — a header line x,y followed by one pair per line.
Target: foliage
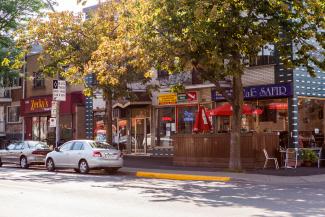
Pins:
x,y
104,45
217,38
309,155
13,14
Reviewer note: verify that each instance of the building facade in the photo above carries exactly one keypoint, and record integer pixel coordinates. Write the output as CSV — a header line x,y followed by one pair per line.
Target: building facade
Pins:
x,y
35,108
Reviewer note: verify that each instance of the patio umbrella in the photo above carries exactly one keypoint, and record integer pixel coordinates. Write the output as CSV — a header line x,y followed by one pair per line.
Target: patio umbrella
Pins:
x,y
226,110
202,122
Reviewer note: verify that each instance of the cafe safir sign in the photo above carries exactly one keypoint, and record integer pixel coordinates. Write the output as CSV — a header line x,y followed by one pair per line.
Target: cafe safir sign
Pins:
x,y
260,92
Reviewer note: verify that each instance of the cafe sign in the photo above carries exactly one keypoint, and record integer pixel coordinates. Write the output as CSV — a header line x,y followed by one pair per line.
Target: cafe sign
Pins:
x,y
167,98
260,92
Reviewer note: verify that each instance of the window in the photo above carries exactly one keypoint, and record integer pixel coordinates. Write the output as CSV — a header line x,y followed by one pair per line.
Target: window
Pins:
x,y
11,147
78,146
38,81
66,146
13,114
186,117
19,146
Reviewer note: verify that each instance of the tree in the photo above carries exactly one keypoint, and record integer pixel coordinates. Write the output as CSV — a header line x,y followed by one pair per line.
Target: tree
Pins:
x,y
217,38
102,46
13,14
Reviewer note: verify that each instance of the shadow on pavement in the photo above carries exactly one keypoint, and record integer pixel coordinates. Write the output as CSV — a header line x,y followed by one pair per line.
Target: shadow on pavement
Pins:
x,y
275,200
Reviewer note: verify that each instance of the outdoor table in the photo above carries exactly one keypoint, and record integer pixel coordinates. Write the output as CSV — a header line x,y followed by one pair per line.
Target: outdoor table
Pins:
x,y
297,153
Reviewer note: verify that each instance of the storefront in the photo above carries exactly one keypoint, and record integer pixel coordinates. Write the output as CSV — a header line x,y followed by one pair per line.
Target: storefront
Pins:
x,y
36,112
271,104
175,113
131,128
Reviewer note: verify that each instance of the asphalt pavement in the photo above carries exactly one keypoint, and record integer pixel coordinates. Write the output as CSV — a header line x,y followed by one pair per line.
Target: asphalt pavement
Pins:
x,y
38,193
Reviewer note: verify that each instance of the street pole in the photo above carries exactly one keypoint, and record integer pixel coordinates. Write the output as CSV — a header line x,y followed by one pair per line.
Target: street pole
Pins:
x,y
57,125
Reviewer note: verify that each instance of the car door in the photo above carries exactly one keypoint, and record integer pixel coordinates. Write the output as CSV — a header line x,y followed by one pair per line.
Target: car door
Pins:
x,y
61,158
16,152
6,154
76,153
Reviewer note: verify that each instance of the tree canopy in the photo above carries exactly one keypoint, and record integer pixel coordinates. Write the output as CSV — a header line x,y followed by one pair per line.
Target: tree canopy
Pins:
x,y
13,14
217,39
104,45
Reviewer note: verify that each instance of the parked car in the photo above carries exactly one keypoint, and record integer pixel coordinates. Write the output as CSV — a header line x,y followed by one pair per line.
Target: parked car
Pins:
x,y
83,155
24,153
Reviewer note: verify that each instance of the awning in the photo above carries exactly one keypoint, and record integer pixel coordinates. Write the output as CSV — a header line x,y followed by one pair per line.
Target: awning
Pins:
x,y
226,110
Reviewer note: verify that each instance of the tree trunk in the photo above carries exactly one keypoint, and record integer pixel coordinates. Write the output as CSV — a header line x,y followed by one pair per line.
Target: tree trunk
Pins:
x,y
109,117
237,104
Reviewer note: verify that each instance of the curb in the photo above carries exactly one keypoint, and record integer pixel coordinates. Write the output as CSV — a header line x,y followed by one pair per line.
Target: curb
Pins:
x,y
181,176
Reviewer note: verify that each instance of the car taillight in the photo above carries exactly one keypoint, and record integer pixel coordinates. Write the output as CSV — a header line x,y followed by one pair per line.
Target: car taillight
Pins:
x,y
97,154
38,152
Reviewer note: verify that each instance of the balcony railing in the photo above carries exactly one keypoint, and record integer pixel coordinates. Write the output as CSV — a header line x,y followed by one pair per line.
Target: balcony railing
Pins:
x,y
5,95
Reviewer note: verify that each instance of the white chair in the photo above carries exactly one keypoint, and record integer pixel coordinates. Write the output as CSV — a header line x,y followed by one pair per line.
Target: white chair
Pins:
x,y
267,158
320,157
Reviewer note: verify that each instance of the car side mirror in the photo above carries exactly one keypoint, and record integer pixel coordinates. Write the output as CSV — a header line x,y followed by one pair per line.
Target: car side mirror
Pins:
x,y
57,149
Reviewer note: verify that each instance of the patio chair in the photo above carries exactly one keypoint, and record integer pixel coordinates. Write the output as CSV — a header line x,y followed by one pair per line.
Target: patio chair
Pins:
x,y
267,158
291,155
320,157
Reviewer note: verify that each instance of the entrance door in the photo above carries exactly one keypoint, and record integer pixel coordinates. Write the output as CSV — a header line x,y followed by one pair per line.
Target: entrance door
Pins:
x,y
140,135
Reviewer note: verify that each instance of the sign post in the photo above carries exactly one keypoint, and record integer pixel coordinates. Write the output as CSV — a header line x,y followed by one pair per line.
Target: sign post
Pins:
x,y
59,94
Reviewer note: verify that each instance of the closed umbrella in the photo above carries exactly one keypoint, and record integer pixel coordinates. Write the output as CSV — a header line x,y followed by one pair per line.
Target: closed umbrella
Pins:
x,y
202,122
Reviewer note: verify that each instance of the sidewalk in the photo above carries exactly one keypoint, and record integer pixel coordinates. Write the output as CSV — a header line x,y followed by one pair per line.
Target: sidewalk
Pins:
x,y
268,176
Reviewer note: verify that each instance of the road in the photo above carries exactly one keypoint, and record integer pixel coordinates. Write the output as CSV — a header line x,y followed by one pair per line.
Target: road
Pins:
x,y
37,193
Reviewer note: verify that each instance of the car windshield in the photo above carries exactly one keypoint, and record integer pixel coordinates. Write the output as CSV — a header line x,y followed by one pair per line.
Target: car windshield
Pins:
x,y
38,145
101,145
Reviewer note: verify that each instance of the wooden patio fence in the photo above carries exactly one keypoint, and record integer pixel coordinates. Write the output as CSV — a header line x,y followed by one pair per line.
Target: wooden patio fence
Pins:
x,y
212,150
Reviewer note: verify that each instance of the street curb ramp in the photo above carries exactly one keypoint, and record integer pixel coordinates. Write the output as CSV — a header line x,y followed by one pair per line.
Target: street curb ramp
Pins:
x,y
172,176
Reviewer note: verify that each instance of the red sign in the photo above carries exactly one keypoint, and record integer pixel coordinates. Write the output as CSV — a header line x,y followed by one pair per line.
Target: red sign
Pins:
x,y
191,96
41,104
167,119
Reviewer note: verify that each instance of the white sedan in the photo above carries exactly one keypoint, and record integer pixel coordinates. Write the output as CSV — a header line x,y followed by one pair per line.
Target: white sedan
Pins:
x,y
83,155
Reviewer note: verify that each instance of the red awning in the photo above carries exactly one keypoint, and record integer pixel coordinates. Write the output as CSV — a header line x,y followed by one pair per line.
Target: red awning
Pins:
x,y
226,110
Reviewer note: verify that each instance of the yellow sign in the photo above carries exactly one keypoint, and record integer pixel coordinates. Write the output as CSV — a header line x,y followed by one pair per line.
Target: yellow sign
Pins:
x,y
167,98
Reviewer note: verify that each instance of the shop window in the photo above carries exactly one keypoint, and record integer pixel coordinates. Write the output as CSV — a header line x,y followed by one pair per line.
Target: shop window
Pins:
x,y
186,118
13,114
268,115
39,80
166,126
40,128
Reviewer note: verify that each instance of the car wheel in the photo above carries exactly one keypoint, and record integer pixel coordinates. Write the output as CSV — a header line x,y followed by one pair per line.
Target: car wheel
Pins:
x,y
50,165
77,170
83,167
111,170
23,162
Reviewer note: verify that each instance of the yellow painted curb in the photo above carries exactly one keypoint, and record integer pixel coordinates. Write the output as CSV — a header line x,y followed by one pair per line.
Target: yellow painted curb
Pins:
x,y
181,177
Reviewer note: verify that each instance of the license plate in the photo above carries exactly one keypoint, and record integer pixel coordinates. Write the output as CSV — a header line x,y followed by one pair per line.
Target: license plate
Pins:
x,y
110,156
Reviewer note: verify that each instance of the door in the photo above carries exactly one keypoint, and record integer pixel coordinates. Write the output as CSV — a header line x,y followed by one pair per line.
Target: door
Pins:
x,y
61,158
6,155
16,153
2,120
75,154
140,132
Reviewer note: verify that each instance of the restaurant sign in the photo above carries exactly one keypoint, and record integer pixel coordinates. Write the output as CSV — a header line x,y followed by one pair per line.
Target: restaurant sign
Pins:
x,y
260,92
42,104
167,98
